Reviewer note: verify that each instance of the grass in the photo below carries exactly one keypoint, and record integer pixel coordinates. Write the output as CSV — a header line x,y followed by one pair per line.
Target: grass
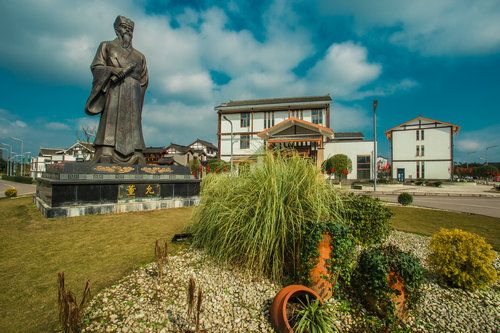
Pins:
x,y
102,248
428,221
256,220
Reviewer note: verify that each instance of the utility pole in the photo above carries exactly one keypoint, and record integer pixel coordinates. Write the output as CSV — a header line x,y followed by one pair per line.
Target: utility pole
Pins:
x,y
230,123
375,104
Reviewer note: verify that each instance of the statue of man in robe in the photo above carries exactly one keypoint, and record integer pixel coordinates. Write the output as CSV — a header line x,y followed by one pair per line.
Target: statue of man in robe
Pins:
x,y
120,82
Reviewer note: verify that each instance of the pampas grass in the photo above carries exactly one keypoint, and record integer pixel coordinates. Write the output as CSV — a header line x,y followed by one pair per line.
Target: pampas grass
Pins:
x,y
256,220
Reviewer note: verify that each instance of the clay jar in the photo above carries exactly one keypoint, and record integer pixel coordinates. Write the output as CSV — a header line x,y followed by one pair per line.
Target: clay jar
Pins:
x,y
278,311
320,277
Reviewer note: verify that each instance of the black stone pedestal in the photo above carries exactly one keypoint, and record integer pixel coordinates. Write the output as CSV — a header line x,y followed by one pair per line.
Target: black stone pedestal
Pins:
x,y
82,188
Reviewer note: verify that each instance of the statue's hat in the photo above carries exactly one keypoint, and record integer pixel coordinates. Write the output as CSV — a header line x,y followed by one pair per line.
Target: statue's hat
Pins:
x,y
123,20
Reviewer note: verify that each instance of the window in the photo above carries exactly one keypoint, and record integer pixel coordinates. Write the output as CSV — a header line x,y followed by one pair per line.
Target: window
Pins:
x,y
418,136
268,119
245,119
418,169
363,167
422,135
317,116
244,141
418,151
422,150
423,170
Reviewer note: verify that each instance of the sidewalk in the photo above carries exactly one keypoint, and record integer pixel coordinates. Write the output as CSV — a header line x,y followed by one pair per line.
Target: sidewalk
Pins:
x,y
448,190
22,189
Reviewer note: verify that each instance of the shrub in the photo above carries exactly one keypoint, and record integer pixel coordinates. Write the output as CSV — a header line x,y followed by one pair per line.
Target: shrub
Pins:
x,y
338,164
10,192
257,219
341,255
462,259
312,316
367,218
372,283
18,179
405,198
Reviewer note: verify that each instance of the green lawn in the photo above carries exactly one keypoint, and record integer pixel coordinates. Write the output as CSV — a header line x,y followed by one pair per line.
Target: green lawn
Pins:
x,y
426,222
104,248
101,248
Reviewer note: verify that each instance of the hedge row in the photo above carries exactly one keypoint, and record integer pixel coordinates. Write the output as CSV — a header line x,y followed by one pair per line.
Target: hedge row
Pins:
x,y
18,179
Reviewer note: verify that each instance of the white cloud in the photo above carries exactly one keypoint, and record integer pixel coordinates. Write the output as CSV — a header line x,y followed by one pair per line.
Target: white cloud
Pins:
x,y
350,118
471,145
55,125
444,27
344,69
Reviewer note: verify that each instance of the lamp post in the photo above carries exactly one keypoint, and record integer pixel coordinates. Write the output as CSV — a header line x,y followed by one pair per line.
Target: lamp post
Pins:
x,y
487,152
9,171
22,153
230,123
375,104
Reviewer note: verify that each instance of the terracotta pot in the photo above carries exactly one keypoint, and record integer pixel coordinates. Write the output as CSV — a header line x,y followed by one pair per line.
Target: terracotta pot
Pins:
x,y
396,283
320,277
278,311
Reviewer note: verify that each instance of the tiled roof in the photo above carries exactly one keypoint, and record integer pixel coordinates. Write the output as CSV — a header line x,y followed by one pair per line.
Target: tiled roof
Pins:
x,y
455,128
180,148
265,134
285,100
50,151
349,135
205,143
152,150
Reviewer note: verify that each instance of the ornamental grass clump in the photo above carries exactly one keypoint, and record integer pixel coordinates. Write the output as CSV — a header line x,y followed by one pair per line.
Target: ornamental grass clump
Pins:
x,y
462,259
256,219
11,192
312,316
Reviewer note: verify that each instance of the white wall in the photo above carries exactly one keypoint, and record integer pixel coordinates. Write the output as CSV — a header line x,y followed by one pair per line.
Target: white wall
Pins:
x,y
352,149
255,145
437,144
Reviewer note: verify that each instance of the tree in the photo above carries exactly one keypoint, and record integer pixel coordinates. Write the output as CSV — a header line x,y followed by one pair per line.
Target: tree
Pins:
x,y
338,164
87,132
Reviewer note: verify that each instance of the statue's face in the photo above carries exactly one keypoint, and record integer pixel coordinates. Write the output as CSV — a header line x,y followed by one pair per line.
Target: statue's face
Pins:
x,y
126,33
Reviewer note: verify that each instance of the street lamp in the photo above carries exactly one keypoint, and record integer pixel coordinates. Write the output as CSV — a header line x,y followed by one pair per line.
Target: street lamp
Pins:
x,y
9,169
22,153
375,104
487,152
230,123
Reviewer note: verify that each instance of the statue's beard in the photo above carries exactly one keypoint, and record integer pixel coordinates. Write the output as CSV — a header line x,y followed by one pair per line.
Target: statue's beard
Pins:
x,y
126,40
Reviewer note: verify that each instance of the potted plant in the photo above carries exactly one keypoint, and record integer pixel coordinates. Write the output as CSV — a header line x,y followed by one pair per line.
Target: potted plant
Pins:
x,y
326,255
281,309
388,280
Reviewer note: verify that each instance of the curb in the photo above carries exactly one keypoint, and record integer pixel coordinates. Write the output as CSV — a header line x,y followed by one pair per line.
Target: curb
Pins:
x,y
446,194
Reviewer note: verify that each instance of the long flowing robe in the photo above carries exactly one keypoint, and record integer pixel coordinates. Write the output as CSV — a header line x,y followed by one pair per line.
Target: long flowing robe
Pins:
x,y
119,103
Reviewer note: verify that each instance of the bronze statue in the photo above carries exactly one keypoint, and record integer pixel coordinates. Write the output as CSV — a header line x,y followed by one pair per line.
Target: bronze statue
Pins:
x,y
120,82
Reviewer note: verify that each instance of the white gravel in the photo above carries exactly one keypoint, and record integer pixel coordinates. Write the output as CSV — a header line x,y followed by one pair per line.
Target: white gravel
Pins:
x,y
236,302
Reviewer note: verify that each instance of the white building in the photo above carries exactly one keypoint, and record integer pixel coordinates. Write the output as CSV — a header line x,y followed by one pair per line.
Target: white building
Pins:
x,y
359,151
301,123
422,148
79,151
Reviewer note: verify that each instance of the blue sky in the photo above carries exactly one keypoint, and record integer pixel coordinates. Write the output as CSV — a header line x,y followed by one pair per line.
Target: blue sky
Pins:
x,y
439,59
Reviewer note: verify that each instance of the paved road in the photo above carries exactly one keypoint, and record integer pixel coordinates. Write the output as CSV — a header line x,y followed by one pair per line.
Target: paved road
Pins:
x,y
21,188
482,206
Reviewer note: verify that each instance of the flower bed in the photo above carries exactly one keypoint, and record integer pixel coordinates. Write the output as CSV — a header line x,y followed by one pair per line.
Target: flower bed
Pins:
x,y
236,302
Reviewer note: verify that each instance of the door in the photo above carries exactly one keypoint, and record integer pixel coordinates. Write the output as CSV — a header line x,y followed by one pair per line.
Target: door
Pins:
x,y
401,175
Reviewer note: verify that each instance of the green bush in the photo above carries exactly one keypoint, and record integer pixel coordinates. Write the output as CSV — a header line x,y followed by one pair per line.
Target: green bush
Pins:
x,y
405,198
312,316
367,218
462,259
11,192
257,219
341,255
338,164
371,278
18,179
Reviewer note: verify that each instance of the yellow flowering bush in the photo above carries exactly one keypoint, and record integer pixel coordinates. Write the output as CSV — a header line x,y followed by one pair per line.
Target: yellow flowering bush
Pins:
x,y
462,259
11,192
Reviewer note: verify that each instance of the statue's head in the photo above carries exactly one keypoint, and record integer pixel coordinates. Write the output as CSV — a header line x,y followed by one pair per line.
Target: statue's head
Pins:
x,y
124,28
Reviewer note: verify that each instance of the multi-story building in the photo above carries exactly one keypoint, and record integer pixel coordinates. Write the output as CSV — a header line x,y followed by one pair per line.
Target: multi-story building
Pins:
x,y
249,125
422,148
